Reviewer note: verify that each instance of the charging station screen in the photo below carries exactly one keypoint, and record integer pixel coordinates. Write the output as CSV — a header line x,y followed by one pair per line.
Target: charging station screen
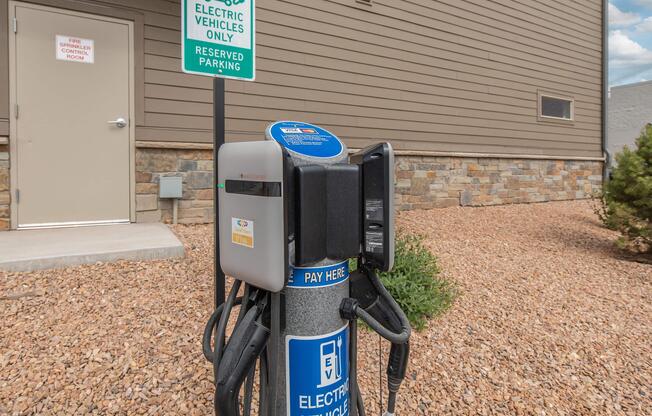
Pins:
x,y
318,374
305,139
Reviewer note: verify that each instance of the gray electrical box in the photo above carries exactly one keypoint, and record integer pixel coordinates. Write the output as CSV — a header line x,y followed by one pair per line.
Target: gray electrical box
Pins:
x,y
252,214
171,187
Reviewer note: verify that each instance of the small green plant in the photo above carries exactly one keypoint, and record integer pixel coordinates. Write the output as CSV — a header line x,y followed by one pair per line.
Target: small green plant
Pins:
x,y
627,197
415,282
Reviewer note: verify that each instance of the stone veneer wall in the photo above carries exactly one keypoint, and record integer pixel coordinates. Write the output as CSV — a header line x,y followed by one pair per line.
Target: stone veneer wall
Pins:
x,y
423,182
196,168
437,182
4,188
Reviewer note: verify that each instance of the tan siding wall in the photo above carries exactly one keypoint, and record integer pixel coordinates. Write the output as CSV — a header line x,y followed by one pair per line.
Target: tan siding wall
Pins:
x,y
444,75
4,70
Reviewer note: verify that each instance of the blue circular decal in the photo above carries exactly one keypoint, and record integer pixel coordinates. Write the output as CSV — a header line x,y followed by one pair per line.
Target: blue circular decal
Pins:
x,y
305,139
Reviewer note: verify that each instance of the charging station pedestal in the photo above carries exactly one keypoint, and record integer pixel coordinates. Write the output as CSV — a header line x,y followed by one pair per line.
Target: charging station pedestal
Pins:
x,y
315,340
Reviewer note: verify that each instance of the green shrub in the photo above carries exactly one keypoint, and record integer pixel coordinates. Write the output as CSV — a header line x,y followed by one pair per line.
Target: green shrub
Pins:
x,y
627,197
415,283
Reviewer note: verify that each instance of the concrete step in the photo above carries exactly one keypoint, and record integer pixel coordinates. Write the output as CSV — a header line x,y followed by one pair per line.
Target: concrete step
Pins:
x,y
29,250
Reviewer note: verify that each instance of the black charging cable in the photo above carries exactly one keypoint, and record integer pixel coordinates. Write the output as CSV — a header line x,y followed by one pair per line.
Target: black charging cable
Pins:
x,y
234,362
207,349
372,303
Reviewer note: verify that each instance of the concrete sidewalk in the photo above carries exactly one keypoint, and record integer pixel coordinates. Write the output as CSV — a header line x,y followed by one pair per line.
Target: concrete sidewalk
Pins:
x,y
57,248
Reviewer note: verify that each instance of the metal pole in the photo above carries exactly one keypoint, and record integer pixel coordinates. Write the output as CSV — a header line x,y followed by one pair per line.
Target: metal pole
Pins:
x,y
218,141
605,92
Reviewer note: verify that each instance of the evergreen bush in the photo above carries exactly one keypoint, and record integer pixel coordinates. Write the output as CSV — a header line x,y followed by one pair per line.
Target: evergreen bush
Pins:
x,y
627,197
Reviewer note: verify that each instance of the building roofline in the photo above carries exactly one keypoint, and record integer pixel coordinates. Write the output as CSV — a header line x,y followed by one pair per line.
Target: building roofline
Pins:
x,y
632,85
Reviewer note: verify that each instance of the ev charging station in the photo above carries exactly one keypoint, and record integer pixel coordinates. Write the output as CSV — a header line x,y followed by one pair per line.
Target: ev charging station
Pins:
x,y
293,209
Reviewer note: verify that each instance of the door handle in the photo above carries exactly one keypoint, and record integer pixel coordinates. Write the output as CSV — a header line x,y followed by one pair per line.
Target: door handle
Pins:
x,y
119,122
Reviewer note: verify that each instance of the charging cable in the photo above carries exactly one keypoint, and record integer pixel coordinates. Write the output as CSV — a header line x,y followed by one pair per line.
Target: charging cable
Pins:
x,y
372,303
234,362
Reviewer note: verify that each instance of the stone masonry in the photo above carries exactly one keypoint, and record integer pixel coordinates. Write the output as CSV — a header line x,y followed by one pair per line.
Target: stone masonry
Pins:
x,y
4,188
196,168
423,182
437,182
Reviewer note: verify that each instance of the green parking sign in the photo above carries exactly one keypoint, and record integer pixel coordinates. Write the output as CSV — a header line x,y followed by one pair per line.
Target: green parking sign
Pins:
x,y
219,38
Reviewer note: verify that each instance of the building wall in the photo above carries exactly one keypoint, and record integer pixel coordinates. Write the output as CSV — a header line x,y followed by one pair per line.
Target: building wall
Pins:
x,y
438,78
196,168
4,188
422,182
630,110
438,182
445,75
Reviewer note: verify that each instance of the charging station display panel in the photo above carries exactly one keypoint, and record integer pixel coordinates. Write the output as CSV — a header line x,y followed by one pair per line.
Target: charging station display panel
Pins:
x,y
377,164
253,213
306,141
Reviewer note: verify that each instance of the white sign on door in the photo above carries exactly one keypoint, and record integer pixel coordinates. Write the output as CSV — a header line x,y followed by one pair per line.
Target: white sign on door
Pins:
x,y
75,49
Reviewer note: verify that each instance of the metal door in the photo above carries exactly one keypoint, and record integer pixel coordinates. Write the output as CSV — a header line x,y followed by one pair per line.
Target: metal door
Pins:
x,y
72,86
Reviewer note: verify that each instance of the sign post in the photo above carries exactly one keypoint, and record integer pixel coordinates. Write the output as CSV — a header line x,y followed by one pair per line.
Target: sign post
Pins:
x,y
218,141
219,40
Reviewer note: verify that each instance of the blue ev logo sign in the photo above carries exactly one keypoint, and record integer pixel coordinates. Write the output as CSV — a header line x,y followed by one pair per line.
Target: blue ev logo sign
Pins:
x,y
318,374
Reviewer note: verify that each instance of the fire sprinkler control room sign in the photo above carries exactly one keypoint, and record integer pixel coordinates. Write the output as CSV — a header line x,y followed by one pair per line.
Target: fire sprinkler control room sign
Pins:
x,y
219,38
74,49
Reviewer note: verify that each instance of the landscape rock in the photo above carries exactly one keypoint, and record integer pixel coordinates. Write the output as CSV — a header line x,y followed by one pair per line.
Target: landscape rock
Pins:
x,y
551,320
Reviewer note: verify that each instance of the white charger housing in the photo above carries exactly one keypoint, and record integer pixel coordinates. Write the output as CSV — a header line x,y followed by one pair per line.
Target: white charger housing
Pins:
x,y
253,217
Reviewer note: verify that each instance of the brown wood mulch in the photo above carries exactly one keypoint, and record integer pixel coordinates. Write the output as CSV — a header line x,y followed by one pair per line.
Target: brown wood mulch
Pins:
x,y
551,319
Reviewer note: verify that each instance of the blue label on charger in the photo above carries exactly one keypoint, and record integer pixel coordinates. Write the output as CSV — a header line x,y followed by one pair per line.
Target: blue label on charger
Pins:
x,y
318,374
322,276
305,139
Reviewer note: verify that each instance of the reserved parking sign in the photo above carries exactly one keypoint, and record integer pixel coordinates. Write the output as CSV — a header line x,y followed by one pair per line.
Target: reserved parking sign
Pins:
x,y
219,38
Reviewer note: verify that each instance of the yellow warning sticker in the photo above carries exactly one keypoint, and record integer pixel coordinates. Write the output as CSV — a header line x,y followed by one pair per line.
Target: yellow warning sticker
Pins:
x,y
242,232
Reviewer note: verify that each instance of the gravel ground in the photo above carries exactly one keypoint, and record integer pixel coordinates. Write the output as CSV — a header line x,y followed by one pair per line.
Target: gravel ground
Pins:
x,y
550,320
